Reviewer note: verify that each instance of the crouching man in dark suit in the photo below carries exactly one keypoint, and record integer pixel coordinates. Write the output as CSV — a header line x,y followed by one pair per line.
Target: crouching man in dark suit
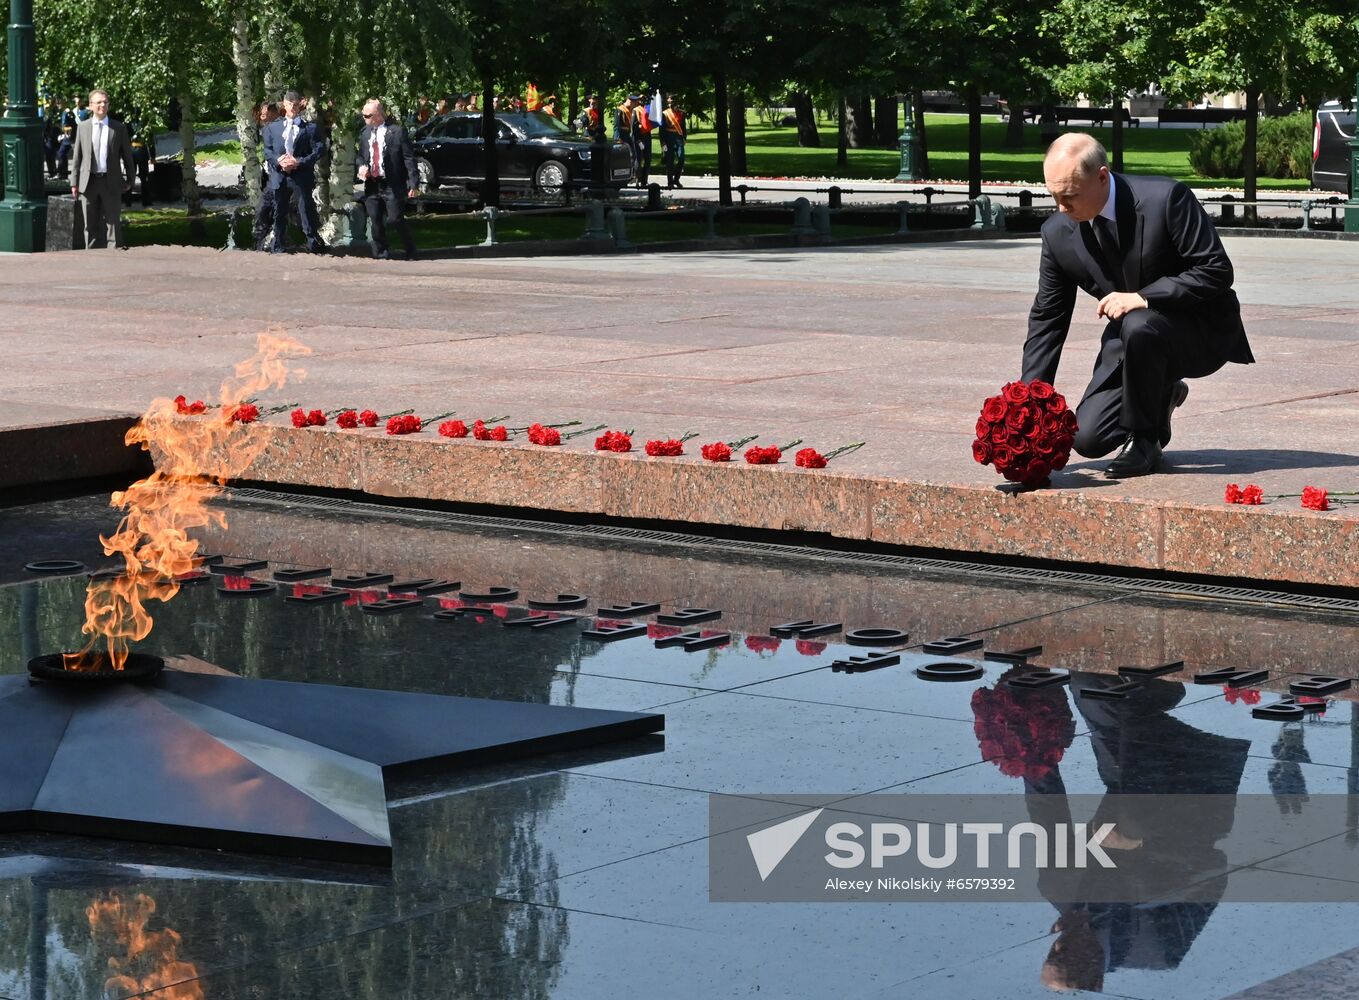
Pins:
x,y
387,168
1145,248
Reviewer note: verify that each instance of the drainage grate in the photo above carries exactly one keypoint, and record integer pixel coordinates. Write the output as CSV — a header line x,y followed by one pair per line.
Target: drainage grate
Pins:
x,y
1053,577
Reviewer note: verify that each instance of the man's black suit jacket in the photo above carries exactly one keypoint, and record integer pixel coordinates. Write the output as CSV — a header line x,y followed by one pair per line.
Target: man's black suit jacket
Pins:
x,y
1171,256
398,157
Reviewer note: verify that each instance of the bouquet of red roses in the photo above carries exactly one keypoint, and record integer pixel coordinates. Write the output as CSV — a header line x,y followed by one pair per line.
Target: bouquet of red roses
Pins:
x,y
1026,432
1025,733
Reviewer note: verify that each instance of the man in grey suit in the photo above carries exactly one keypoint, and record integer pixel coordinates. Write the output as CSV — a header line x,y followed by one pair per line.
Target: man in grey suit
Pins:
x,y
102,169
1146,249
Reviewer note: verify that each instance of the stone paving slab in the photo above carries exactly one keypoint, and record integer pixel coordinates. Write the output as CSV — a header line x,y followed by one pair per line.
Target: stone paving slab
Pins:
x,y
896,346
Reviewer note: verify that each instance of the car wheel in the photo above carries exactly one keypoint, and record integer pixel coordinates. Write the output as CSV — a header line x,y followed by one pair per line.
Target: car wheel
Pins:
x,y
550,177
426,172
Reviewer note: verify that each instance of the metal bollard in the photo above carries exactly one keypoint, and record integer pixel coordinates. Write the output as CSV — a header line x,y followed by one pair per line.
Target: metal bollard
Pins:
x,y
710,217
981,208
490,213
742,189
802,218
833,196
653,197
821,220
903,211
1025,200
929,194
618,228
594,222
1228,209
1307,215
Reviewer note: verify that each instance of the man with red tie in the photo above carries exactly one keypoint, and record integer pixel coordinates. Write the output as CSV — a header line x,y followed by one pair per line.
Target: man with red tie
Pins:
x,y
389,174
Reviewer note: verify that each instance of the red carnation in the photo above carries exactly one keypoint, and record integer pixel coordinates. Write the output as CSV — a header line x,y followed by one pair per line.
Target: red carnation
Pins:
x,y
756,455
546,436
405,423
182,405
809,647
762,643
809,458
613,441
453,429
654,631
718,451
347,419
500,433
479,430
368,418
1247,696
1252,495
299,417
665,448
1314,498
1232,494
315,418
245,413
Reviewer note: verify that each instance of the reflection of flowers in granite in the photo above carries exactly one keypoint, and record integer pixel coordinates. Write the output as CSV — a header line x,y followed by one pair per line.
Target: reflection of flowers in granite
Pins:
x,y
450,603
358,597
230,582
1024,732
1246,696
762,643
809,647
654,631
307,589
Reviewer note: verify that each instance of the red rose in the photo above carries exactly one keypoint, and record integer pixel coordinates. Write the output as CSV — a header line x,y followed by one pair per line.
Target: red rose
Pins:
x,y
1059,460
999,434
1016,392
1001,456
1252,495
499,433
665,448
299,417
453,429
1233,494
983,427
1041,391
1043,448
1051,423
718,451
809,458
1019,446
756,455
246,413
368,418
981,452
315,418
1057,405
1038,470
993,409
1315,498
347,419
1069,421
1018,420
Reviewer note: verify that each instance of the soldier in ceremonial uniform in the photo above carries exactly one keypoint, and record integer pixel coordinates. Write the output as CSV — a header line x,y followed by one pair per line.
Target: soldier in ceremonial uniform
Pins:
x,y
672,142
623,120
642,127
591,120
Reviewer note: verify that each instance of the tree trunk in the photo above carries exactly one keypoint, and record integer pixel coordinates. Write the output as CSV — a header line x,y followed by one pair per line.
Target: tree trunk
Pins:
x,y
1116,103
723,137
339,195
974,173
1248,156
885,115
572,103
1014,128
189,166
737,105
807,135
921,142
490,156
247,125
842,139
859,123
274,57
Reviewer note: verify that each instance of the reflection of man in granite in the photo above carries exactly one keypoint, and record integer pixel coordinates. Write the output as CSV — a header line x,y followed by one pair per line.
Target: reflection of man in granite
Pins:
x,y
1140,750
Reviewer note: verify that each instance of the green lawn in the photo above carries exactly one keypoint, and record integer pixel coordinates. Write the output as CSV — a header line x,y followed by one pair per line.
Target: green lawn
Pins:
x,y
773,152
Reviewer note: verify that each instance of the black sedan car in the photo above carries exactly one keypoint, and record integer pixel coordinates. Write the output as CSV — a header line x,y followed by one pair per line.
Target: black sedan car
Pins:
x,y
535,151
1331,148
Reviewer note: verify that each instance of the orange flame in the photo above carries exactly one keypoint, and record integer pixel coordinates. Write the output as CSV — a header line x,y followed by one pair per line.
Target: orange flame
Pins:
x,y
195,457
151,958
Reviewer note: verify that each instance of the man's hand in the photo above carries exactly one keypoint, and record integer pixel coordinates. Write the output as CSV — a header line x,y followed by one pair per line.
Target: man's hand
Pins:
x,y
287,163
363,173
413,193
75,192
1116,305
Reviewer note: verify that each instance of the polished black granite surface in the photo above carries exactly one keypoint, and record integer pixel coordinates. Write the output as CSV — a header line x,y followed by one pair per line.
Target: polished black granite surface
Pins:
x,y
585,874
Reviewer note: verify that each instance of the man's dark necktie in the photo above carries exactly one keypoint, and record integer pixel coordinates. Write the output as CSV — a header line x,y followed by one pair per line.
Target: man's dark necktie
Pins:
x,y
1107,238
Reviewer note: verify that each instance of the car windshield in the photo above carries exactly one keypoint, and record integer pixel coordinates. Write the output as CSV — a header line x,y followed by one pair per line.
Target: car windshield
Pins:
x,y
534,123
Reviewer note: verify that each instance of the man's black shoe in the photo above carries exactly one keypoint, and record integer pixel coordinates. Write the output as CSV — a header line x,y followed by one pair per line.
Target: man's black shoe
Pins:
x,y
1178,393
1141,456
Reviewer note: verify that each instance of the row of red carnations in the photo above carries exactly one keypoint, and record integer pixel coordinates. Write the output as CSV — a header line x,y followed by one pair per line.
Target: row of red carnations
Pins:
x,y
544,435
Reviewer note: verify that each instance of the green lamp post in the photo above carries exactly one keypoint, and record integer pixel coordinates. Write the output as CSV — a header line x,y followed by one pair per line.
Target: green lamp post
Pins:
x,y
23,211
1352,206
909,171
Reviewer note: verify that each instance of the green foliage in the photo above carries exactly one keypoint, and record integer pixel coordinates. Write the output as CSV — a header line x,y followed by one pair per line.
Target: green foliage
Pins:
x,y
1283,148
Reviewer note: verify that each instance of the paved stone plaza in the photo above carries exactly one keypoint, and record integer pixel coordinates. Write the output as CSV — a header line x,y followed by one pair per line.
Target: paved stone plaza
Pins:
x,y
896,346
